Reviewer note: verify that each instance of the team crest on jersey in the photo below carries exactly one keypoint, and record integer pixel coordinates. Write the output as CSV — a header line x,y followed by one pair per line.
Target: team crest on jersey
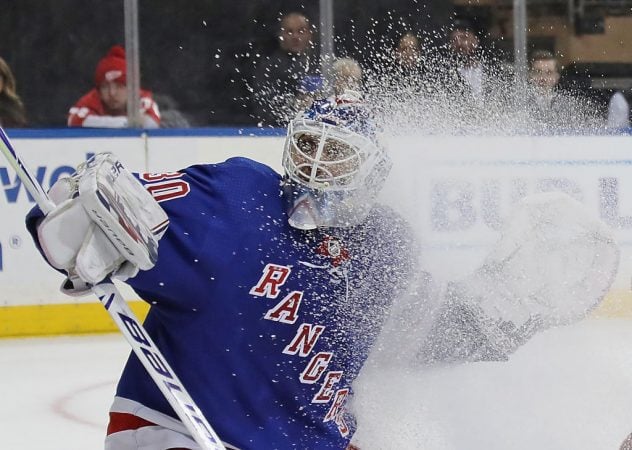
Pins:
x,y
332,248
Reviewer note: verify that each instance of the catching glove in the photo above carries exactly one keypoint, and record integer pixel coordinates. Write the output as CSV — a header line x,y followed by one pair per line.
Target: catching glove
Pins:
x,y
105,224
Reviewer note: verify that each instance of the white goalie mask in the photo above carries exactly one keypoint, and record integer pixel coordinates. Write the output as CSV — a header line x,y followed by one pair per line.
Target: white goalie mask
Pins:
x,y
334,166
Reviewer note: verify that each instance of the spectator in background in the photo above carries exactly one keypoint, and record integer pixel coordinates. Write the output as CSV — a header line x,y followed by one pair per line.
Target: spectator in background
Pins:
x,y
476,86
105,106
407,55
398,70
289,72
544,73
12,113
473,70
170,114
408,70
346,75
466,58
553,110
619,111
544,77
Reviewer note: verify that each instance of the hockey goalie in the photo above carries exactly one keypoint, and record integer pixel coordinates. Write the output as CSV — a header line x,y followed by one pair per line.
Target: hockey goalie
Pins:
x,y
268,291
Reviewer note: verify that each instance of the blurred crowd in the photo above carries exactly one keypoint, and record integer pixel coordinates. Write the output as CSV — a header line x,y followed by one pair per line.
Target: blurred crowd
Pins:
x,y
434,82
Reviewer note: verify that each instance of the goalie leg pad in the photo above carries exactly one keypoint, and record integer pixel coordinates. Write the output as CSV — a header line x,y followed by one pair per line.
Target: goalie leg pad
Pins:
x,y
554,263
555,260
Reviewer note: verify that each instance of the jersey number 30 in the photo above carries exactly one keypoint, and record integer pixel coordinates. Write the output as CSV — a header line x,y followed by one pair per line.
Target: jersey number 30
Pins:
x,y
165,186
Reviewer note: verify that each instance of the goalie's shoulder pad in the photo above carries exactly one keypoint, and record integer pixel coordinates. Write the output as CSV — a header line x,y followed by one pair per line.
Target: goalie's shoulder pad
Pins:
x,y
128,214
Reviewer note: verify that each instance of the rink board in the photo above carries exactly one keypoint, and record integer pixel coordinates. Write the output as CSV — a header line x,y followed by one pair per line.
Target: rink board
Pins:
x,y
455,191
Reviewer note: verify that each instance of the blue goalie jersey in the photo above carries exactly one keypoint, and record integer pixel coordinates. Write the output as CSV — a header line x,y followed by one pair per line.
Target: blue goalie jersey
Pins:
x,y
266,326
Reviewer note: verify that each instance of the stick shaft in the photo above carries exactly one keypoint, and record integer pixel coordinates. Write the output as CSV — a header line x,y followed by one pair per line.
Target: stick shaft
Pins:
x,y
30,183
157,366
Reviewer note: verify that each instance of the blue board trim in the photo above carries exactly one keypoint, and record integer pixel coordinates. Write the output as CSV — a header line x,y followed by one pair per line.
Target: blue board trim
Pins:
x,y
62,132
65,133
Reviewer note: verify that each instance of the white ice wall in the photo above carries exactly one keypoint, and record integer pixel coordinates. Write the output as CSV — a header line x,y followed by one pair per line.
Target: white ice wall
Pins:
x,y
454,190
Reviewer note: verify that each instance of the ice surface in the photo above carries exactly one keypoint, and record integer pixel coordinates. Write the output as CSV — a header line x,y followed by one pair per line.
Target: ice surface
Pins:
x,y
567,388
56,392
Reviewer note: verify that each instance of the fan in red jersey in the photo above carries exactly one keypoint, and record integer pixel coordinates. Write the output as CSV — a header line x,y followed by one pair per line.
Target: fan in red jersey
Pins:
x,y
105,106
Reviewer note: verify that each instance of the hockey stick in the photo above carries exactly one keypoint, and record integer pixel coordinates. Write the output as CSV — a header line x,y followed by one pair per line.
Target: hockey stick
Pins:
x,y
142,345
